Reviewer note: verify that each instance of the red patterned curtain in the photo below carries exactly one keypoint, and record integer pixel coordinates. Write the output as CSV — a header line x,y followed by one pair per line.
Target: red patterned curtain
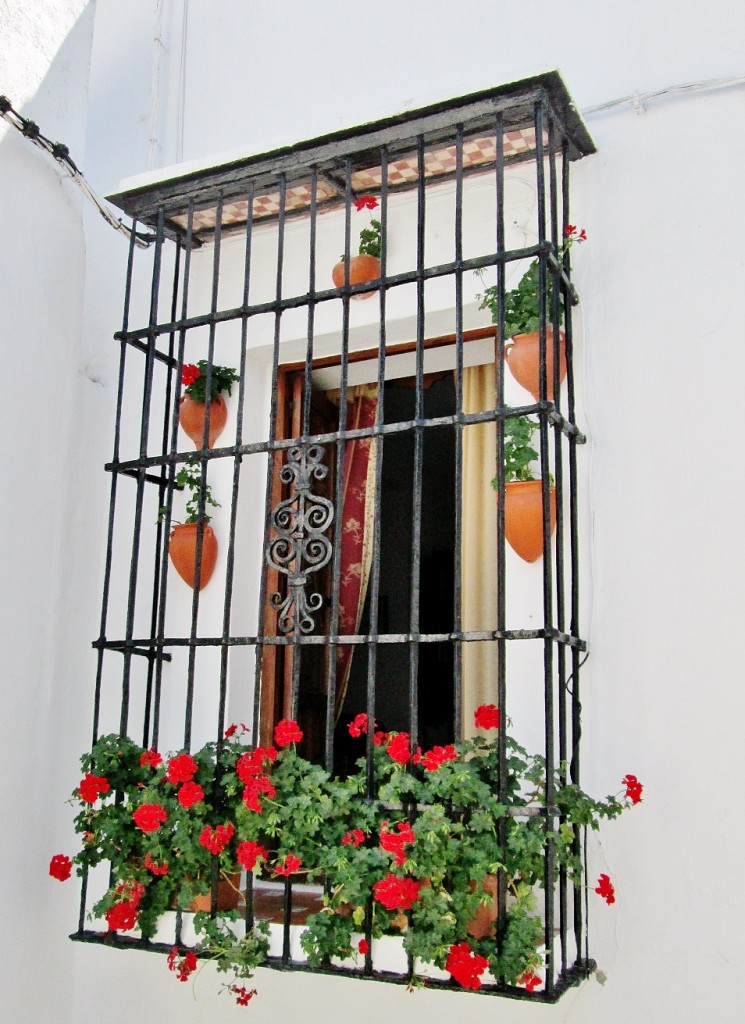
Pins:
x,y
357,518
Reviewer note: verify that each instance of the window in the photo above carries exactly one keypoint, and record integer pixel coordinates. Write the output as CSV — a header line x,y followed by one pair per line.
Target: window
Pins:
x,y
362,564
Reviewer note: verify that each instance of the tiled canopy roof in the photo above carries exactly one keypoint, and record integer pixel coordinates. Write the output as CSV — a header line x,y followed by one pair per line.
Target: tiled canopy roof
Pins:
x,y
352,161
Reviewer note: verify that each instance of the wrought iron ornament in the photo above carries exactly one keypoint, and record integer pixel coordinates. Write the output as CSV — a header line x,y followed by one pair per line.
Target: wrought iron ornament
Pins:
x,y
299,545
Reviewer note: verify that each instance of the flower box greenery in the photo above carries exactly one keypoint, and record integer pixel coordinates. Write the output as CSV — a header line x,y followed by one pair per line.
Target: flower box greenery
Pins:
x,y
413,853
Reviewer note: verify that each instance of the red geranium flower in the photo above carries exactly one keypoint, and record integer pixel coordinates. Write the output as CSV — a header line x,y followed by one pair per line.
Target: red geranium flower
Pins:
x,y
131,890
190,793
253,788
529,980
575,234
248,853
183,967
242,994
398,748
380,738
358,725
149,817
397,893
354,838
60,867
394,843
150,758
215,840
155,869
93,786
181,768
122,917
465,966
634,788
487,717
287,731
437,756
363,947
189,373
254,762
605,889
232,729
288,866
365,203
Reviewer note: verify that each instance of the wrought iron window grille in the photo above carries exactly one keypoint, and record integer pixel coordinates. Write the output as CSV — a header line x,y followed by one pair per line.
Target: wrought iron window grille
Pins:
x,y
215,290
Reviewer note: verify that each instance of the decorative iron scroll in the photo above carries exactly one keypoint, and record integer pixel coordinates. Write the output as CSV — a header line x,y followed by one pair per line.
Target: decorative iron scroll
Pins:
x,y
299,546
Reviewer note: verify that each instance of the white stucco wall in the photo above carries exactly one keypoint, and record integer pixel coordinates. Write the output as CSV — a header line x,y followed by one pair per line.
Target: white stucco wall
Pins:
x,y
663,358
44,59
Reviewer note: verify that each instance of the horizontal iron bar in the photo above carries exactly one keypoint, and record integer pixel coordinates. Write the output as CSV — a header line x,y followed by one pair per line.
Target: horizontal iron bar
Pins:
x,y
131,647
134,471
573,976
296,301
470,636
137,343
131,466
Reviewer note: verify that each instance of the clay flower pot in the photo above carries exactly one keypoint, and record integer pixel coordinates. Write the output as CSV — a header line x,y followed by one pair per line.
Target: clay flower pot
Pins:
x,y
182,550
228,894
191,416
484,920
361,268
523,517
523,358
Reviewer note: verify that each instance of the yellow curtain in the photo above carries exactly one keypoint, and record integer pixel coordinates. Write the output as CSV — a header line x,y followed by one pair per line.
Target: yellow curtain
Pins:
x,y
479,545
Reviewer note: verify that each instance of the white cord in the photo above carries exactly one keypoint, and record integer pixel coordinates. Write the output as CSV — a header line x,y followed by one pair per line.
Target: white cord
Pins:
x,y
154,86
637,100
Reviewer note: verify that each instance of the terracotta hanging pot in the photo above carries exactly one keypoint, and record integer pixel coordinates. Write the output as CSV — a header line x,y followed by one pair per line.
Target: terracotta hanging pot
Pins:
x,y
361,268
484,920
182,550
228,894
523,358
523,517
191,416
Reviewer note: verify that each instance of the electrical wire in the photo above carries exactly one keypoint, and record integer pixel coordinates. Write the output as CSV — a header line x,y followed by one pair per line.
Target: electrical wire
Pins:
x,y
637,100
61,154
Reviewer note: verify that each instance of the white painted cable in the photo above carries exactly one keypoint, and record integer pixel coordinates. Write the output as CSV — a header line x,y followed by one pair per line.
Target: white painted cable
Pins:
x,y
637,100
154,87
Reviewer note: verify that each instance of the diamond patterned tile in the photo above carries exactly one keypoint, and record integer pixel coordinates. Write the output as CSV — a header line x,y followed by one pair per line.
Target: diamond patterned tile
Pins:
x,y
438,162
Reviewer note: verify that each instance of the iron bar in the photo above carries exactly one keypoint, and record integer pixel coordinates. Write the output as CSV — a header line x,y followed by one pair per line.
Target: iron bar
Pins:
x,y
144,430
341,452
271,639
459,427
549,869
402,426
330,294
501,561
281,657
416,532
374,583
